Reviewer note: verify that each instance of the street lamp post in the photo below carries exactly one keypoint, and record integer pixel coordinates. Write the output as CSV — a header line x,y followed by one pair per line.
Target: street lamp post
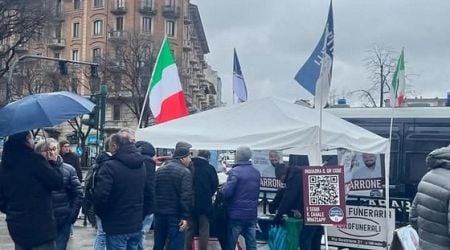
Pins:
x,y
11,70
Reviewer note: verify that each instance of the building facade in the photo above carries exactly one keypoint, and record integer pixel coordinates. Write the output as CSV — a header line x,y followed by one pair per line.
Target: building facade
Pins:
x,y
124,37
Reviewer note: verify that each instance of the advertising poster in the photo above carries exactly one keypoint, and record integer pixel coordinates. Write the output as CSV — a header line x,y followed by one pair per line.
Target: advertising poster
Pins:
x,y
324,196
365,228
364,173
266,162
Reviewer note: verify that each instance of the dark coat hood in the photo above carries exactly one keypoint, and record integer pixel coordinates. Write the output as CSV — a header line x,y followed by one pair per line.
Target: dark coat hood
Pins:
x,y
146,148
129,156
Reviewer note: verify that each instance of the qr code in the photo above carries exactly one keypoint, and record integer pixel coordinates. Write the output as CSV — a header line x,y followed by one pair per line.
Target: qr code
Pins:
x,y
323,190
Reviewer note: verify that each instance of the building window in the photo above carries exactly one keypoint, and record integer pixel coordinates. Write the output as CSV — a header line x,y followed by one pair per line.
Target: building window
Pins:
x,y
98,28
75,55
76,30
146,24
98,3
170,2
96,55
147,4
170,28
116,112
120,4
76,4
119,23
56,55
117,82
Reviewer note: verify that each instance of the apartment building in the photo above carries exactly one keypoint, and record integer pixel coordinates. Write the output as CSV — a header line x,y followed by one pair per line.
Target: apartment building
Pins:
x,y
110,31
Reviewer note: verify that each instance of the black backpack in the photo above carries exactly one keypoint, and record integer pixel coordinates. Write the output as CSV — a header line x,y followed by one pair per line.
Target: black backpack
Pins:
x,y
89,185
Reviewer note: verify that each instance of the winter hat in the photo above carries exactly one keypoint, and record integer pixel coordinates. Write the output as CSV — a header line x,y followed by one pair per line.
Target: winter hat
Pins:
x,y
146,148
243,153
204,154
183,144
180,152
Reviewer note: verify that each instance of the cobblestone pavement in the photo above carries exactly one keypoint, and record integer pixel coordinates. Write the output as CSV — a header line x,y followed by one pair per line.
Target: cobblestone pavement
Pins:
x,y
82,237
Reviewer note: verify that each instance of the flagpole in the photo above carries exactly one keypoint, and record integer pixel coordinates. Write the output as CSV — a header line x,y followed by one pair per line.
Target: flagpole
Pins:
x,y
386,178
148,87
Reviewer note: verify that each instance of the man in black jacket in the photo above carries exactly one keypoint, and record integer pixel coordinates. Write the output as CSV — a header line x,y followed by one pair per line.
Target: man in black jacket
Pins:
x,y
205,185
148,153
292,202
67,200
70,158
173,199
26,183
119,194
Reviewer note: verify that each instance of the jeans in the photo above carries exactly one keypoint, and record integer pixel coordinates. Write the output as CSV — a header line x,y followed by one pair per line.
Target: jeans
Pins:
x,y
46,246
198,223
123,241
310,237
62,236
100,238
246,228
167,228
146,225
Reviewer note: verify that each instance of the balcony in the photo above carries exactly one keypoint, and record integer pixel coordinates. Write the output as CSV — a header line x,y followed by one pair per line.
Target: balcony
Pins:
x,y
146,7
118,35
187,45
187,20
193,60
171,11
56,43
119,8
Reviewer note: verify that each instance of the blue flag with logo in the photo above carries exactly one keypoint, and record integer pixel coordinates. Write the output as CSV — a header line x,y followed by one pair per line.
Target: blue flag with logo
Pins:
x,y
239,88
315,74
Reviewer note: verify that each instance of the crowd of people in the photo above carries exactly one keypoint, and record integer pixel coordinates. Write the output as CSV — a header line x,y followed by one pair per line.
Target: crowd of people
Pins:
x,y
41,194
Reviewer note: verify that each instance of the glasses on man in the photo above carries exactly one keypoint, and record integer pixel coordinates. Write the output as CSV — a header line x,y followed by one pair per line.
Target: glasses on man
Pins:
x,y
49,149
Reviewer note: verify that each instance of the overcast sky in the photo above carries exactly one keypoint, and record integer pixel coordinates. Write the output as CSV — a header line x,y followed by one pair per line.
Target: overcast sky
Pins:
x,y
274,38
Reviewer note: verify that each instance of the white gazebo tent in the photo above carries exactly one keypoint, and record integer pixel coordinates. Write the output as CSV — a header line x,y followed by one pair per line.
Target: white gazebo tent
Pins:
x,y
269,123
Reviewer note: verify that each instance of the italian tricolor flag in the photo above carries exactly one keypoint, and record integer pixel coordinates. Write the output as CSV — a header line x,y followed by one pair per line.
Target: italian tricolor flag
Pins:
x,y
398,83
166,95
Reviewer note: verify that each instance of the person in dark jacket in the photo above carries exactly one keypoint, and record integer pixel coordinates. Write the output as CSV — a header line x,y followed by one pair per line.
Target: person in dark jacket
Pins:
x,y
173,199
292,203
430,211
148,153
70,158
205,186
26,183
241,192
119,194
67,200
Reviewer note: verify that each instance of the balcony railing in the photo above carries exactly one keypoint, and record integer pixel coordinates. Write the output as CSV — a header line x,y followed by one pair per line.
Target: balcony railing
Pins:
x,y
117,35
171,11
146,7
56,43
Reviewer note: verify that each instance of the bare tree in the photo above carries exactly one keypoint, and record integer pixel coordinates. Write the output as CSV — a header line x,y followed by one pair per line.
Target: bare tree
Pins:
x,y
130,64
381,65
20,21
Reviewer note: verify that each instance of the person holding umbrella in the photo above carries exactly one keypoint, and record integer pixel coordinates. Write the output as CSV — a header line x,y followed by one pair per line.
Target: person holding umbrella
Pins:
x,y
26,184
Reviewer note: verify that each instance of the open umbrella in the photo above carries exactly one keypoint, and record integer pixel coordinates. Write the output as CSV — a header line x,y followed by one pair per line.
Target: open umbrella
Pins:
x,y
42,110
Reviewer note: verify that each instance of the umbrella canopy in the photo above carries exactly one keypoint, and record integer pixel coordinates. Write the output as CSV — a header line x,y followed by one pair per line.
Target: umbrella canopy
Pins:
x,y
267,123
42,110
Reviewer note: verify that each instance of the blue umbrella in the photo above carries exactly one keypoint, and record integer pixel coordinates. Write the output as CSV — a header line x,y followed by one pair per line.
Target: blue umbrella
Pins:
x,y
42,110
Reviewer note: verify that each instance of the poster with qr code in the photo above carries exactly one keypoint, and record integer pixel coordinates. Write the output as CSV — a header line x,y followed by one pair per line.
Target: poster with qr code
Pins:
x,y
324,195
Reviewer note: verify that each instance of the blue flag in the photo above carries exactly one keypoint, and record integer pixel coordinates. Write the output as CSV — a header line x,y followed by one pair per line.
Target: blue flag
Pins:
x,y
315,74
239,88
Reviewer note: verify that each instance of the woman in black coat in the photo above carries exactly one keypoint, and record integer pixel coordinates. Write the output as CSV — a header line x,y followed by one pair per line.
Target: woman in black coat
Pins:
x,y
26,182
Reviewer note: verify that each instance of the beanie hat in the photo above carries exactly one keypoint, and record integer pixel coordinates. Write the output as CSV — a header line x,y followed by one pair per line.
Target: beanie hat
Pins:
x,y
180,152
146,148
243,153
